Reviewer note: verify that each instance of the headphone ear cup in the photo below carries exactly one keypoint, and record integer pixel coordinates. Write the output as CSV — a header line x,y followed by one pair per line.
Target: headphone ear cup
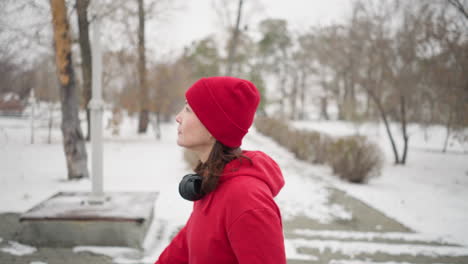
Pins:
x,y
190,187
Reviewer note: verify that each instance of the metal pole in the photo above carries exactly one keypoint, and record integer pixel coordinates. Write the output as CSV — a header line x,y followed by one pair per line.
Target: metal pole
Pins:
x,y
96,106
32,102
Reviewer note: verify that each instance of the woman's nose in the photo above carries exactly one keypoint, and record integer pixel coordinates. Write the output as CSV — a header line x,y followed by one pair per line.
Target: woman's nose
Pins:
x,y
177,118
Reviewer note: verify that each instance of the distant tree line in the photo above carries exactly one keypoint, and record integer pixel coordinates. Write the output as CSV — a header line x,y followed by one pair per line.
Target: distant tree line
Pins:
x,y
391,60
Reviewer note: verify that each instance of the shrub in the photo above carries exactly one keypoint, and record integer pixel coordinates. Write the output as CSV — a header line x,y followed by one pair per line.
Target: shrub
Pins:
x,y
355,159
351,158
276,129
298,144
315,147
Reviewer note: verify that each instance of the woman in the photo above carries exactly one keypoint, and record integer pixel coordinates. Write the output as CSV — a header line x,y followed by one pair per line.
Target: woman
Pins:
x,y
234,217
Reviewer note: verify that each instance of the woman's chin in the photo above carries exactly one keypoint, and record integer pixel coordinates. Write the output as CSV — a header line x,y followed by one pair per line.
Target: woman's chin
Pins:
x,y
180,142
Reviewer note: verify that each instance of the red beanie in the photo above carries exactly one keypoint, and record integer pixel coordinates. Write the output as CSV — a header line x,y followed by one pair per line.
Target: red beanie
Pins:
x,y
226,107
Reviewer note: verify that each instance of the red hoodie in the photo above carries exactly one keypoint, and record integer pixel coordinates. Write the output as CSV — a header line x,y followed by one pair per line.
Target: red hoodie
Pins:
x,y
239,222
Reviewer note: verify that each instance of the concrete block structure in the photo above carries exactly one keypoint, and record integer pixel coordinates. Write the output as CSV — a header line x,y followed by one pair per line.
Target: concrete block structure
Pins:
x,y
67,219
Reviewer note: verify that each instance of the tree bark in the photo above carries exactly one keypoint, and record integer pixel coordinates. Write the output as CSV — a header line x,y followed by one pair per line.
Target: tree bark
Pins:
x,y
144,113
387,125
403,129
86,60
283,93
234,40
302,95
293,97
51,122
459,6
73,141
324,108
448,129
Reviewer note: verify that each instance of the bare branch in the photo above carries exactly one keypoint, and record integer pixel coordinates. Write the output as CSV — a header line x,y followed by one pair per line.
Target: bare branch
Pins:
x,y
460,7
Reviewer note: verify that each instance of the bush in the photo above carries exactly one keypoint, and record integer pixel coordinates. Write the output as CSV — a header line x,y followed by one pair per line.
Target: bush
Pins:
x,y
310,146
314,147
276,129
351,158
355,159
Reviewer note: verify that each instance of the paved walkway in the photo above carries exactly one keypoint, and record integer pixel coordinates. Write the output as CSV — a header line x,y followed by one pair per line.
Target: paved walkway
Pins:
x,y
369,236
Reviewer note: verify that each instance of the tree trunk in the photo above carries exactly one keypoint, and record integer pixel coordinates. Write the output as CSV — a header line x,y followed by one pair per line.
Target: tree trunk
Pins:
x,y
302,96
283,94
324,108
339,96
403,129
86,61
347,114
156,122
387,125
73,141
51,122
293,97
234,41
448,128
144,113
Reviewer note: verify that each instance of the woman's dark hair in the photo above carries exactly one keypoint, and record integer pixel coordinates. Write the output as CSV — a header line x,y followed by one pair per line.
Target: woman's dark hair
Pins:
x,y
212,168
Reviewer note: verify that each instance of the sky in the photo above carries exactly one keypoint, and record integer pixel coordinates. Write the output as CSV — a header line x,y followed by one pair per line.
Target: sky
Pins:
x,y
198,19
167,34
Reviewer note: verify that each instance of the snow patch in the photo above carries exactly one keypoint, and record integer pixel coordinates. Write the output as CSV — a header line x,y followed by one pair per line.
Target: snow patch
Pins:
x,y
408,237
291,252
302,194
18,249
352,248
117,253
368,262
403,193
10,96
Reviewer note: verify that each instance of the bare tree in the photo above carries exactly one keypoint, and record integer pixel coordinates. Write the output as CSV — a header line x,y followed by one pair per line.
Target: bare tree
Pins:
x,y
447,84
234,40
274,51
85,49
73,141
144,112
376,67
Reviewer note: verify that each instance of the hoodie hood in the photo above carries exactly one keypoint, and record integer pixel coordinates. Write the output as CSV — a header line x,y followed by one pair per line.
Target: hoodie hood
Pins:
x,y
261,166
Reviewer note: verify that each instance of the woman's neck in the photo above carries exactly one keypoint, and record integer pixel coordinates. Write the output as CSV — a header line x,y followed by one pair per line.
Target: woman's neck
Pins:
x,y
204,153
203,156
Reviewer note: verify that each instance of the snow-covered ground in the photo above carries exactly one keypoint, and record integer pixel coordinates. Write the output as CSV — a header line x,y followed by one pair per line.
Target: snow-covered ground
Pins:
x,y
428,194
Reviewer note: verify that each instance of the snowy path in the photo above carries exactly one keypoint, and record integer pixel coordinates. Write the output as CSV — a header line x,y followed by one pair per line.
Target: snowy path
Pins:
x,y
324,225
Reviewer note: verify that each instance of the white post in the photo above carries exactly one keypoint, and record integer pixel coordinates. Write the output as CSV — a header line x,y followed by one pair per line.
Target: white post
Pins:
x,y
96,106
32,102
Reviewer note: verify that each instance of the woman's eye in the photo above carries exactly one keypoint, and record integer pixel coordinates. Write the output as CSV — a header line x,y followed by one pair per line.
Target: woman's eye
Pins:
x,y
187,109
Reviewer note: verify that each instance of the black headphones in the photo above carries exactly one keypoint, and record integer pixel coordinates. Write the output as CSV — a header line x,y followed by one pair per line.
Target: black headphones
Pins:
x,y
190,187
